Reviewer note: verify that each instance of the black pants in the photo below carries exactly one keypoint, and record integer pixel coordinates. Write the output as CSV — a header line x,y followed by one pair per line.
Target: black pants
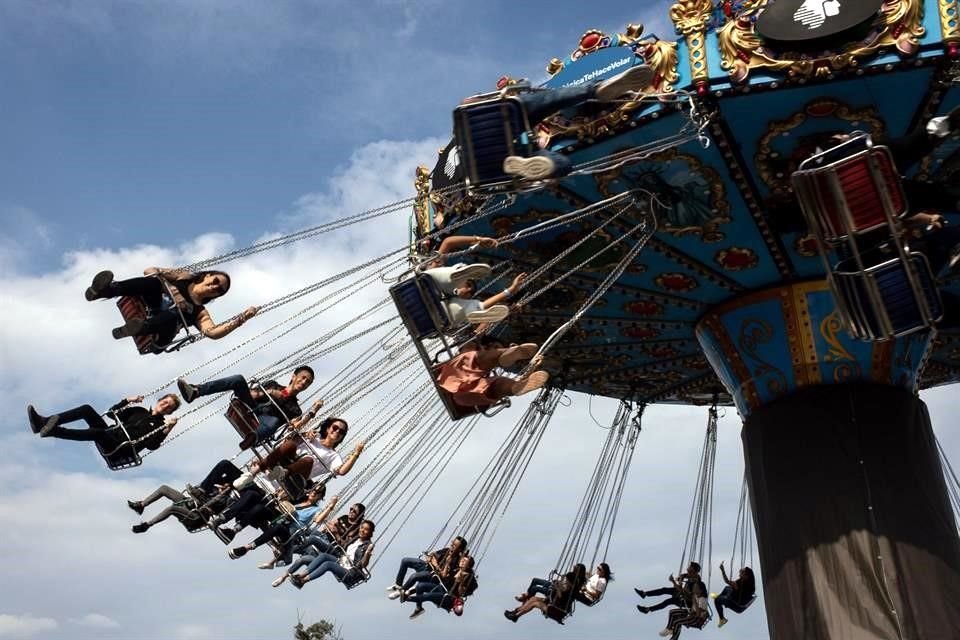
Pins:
x,y
224,472
674,600
162,322
97,431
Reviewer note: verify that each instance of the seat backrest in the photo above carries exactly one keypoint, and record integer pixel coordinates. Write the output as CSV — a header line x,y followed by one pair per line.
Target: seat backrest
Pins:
x,y
134,309
120,453
849,189
420,305
242,417
487,131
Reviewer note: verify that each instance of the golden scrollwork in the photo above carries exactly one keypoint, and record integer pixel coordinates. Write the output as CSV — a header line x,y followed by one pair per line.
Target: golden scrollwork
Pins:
x,y
691,17
865,118
421,208
661,56
742,50
949,23
830,328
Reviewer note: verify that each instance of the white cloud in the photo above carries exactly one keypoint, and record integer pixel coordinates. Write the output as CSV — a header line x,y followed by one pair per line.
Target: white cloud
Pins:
x,y
194,632
24,626
96,621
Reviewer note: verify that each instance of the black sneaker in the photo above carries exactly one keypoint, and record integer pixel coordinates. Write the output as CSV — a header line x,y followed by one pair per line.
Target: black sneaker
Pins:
x,y
237,552
187,390
136,505
132,327
417,612
510,615
640,592
140,528
226,534
643,609
99,287
37,421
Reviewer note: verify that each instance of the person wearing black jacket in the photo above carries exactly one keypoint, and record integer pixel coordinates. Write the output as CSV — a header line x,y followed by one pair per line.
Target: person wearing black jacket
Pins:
x,y
272,403
140,422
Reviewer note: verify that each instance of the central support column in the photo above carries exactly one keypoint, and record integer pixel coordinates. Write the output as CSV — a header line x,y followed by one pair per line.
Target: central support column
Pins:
x,y
856,534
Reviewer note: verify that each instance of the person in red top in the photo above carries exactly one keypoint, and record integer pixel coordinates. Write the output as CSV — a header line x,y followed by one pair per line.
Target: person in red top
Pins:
x,y
274,405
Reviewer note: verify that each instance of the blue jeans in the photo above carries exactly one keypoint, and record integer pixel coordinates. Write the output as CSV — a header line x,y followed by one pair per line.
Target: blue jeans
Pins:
x,y
304,560
542,103
410,563
539,585
324,563
322,542
430,592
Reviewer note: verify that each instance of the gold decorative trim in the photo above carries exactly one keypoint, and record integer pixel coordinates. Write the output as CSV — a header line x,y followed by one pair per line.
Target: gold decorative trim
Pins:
x,y
818,107
691,17
950,32
743,51
421,207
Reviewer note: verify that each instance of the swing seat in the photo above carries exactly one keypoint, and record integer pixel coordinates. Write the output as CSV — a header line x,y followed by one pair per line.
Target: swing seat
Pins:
x,y
850,189
487,129
420,304
354,578
887,300
132,308
123,454
244,421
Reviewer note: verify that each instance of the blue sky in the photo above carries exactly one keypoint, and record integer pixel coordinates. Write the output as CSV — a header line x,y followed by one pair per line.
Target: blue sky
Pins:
x,y
121,114
137,133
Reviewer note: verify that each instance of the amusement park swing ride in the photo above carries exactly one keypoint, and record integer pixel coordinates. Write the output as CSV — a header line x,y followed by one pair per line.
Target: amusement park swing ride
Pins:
x,y
737,233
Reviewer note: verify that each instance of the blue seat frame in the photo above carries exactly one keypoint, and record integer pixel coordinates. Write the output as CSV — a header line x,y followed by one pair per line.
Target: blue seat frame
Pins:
x,y
489,128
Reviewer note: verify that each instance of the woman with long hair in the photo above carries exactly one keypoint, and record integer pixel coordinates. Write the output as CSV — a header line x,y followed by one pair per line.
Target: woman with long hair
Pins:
x,y
558,595
169,294
737,594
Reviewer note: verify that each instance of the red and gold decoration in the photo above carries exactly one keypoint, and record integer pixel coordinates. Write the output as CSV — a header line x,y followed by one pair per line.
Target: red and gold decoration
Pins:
x,y
736,259
691,19
676,282
644,308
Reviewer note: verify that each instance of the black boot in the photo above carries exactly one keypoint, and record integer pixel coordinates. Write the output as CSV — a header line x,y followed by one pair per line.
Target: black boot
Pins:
x,y
133,327
100,287
37,421
140,528
136,505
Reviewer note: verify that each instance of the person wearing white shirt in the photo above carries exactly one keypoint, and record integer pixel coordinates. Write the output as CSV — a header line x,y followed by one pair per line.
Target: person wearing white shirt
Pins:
x,y
596,584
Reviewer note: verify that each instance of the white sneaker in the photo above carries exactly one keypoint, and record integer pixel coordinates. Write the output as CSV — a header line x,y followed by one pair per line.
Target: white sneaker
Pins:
x,y
496,313
461,274
393,595
532,168
279,581
633,79
666,633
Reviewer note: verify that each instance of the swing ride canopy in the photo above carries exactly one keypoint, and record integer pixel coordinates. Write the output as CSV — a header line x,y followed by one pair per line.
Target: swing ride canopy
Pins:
x,y
729,293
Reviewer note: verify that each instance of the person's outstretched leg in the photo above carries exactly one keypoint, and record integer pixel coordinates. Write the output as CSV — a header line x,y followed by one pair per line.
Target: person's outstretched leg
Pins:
x,y
97,427
150,290
540,104
224,472
237,384
449,278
